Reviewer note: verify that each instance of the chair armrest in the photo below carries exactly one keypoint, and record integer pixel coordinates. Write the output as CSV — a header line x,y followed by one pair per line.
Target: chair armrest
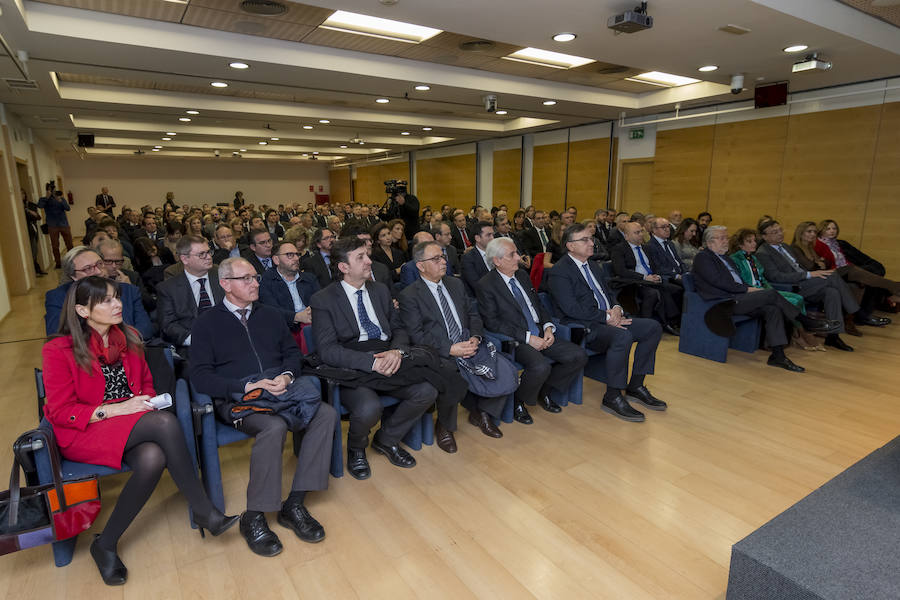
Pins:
x,y
506,344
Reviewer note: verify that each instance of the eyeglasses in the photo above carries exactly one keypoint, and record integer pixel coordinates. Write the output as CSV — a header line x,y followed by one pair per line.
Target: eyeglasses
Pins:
x,y
97,266
291,255
247,279
584,239
114,261
434,259
202,255
267,242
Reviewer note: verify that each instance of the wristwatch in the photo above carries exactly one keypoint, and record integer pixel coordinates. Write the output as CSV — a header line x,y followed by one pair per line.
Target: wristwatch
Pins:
x,y
101,412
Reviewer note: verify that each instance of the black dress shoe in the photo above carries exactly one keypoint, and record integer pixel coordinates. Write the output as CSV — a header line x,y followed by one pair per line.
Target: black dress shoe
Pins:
x,y
294,516
520,414
357,464
619,407
825,326
482,421
397,455
785,363
643,395
217,524
871,321
109,564
549,405
260,538
672,330
835,341
444,438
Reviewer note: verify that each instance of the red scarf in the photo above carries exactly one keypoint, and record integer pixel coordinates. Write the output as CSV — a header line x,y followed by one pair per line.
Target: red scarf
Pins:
x,y
112,353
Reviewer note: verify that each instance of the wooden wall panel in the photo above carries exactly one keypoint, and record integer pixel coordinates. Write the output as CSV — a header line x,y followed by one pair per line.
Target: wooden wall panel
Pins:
x,y
827,168
745,177
446,180
637,185
369,188
681,170
339,185
548,177
882,220
588,176
507,178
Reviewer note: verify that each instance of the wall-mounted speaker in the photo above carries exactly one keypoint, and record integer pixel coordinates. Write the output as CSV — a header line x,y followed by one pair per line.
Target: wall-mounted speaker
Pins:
x,y
85,140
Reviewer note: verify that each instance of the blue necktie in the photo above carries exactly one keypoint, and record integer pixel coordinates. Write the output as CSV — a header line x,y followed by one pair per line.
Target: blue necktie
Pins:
x,y
784,252
371,328
644,264
327,259
601,302
266,262
520,298
452,326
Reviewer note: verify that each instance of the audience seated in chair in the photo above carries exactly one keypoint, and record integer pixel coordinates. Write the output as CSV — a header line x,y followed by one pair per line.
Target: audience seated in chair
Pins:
x,y
288,290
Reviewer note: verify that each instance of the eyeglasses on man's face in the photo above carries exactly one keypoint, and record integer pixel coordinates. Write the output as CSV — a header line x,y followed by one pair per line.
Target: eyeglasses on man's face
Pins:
x,y
290,255
582,239
434,259
91,268
117,262
201,255
246,279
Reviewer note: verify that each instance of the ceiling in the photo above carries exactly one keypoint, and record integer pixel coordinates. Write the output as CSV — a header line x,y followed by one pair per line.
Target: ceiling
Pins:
x,y
128,70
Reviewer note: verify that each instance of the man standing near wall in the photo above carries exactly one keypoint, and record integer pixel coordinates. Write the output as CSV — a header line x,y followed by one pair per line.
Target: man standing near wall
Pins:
x,y
55,207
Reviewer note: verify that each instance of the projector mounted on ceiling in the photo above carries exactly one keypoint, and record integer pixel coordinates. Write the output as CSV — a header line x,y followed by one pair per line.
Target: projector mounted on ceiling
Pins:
x,y
632,20
813,62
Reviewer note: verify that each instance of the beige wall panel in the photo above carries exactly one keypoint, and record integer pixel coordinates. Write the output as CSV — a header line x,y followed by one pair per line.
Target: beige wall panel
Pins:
x,y
339,185
681,170
507,178
588,176
882,220
637,186
369,188
446,180
746,171
548,181
827,168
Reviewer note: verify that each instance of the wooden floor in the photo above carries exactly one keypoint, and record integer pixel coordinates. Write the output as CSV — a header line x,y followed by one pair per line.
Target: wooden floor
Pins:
x,y
578,505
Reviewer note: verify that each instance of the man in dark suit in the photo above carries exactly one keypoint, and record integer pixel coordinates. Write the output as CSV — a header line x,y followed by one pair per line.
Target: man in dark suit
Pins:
x,y
509,305
437,313
149,229
287,289
616,233
104,201
273,224
602,227
409,272
259,254
241,345
444,238
662,254
181,298
717,278
536,239
226,246
460,236
357,327
827,287
474,263
319,260
581,296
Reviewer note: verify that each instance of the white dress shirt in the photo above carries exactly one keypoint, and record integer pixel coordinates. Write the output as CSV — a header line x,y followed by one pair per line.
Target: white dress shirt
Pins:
x,y
370,310
195,289
594,279
433,288
534,314
292,288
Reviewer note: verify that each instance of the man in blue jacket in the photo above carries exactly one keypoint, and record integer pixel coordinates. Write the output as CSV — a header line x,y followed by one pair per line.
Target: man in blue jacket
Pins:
x,y
287,289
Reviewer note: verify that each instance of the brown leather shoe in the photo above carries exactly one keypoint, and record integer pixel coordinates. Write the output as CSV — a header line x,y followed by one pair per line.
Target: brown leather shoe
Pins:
x,y
482,421
850,326
444,439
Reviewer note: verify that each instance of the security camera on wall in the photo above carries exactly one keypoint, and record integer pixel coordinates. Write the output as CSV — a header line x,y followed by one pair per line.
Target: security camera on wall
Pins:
x,y
490,103
737,83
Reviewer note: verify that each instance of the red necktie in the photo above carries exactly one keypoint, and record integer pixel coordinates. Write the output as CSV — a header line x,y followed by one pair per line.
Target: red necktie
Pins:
x,y
465,238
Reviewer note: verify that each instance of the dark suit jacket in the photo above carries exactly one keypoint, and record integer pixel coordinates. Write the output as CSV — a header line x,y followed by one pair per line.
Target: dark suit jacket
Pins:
x,y
573,298
383,275
614,238
133,312
423,319
779,269
319,221
472,269
624,263
316,264
712,279
499,309
456,239
221,254
274,292
176,308
251,258
410,273
278,232
336,329
662,261
530,241
452,260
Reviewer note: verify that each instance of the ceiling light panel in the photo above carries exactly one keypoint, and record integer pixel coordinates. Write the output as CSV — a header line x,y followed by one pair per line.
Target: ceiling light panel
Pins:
x,y
239,65
564,37
383,28
545,58
664,79
796,48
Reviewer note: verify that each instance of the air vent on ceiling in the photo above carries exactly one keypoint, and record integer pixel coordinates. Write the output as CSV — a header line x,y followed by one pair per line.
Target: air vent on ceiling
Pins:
x,y
48,119
477,46
22,85
734,29
263,7
612,70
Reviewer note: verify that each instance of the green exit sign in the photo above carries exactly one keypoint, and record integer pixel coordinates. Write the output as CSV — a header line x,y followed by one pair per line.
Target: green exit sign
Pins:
x,y
636,134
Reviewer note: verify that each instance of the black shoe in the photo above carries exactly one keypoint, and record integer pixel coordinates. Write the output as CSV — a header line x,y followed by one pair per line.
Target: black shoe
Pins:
x,y
217,524
643,395
357,464
109,564
520,414
397,455
295,516
785,363
619,407
260,538
824,326
835,341
549,405
872,321
672,330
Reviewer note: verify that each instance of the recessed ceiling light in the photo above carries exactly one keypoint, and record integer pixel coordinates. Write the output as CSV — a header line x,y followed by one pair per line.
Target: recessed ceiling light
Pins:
x,y
304,155
166,139
307,127
708,68
171,133
243,149
423,88
549,102
349,22
343,145
219,84
184,119
239,65
564,37
545,58
192,112
662,79
157,146
797,48
177,1
426,129
362,143
404,133
263,143
324,121
382,100
154,149
315,152
500,112
275,139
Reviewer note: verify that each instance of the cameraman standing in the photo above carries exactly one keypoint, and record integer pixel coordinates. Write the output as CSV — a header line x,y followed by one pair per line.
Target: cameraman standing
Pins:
x,y
402,206
55,208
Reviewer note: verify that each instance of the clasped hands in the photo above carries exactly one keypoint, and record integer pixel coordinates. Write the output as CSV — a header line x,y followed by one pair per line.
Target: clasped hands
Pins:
x,y
615,317
275,386
466,349
388,362
542,343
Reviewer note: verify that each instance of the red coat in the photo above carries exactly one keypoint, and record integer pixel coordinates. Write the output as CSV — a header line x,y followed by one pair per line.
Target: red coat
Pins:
x,y
825,252
72,396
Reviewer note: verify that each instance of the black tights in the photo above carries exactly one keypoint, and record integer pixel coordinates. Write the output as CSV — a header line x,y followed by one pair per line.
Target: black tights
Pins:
x,y
156,442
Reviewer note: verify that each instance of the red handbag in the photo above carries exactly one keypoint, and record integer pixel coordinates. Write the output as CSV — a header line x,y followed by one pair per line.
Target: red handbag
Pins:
x,y
42,514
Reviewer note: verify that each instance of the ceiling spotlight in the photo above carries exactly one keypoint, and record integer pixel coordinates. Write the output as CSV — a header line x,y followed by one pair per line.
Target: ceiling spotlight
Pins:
x,y
192,112
500,112
166,139
157,146
184,119
797,48
219,84
564,37
304,155
404,133
343,145
307,127
426,129
423,88
315,152
239,65
382,100
154,150
549,102
171,133
274,139
324,121
708,68
263,143
243,149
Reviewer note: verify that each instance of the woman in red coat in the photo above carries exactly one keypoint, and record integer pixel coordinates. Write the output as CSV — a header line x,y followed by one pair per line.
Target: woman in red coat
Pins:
x,y
97,384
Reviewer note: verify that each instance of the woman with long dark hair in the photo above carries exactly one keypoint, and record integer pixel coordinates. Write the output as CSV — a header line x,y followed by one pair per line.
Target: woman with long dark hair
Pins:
x,y
98,384
384,250
686,240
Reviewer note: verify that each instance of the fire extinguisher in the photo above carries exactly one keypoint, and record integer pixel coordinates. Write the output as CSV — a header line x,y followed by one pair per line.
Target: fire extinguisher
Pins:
x,y
71,197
